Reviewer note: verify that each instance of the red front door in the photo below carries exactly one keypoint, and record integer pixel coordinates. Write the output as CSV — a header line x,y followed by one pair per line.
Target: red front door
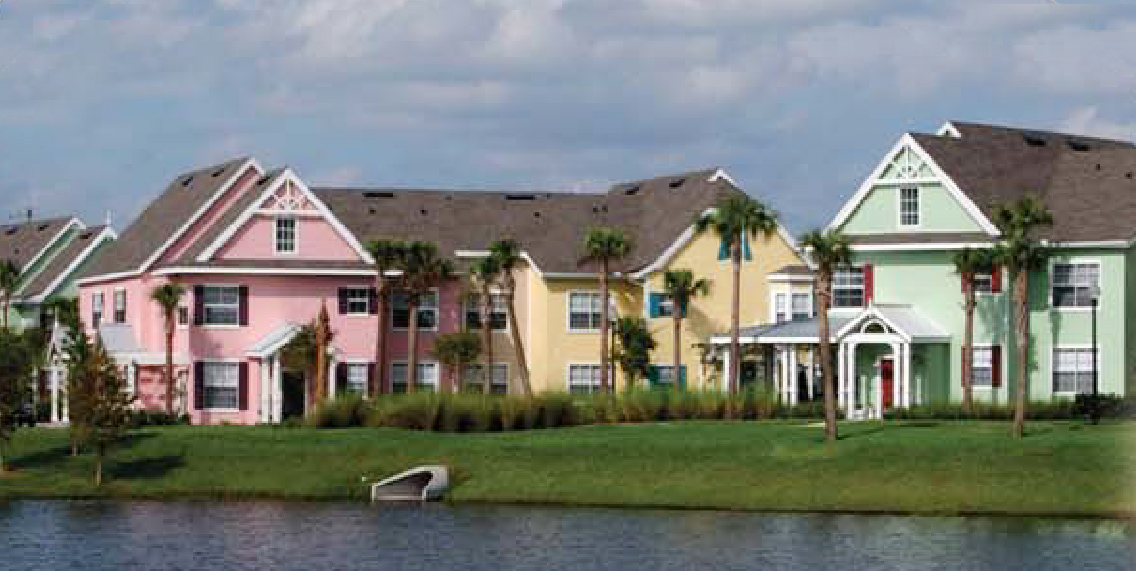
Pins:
x,y
887,382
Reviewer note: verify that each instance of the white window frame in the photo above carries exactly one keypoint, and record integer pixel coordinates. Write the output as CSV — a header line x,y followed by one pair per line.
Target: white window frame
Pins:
x,y
98,307
497,365
981,281
436,382
119,294
437,312
568,311
276,241
918,206
973,351
1075,262
1053,366
810,311
862,288
497,296
596,386
670,370
778,306
666,305
366,289
236,368
342,384
204,307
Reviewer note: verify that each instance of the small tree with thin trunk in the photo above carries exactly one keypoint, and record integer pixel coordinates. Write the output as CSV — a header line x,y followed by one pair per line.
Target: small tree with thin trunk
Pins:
x,y
386,255
9,280
681,288
103,396
168,297
456,350
484,273
1021,252
604,246
422,269
829,250
968,264
16,366
736,217
507,254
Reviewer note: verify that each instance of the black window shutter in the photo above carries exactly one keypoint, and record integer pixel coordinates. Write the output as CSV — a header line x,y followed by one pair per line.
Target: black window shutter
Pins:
x,y
372,301
198,385
340,377
372,387
198,305
243,292
996,365
243,385
343,306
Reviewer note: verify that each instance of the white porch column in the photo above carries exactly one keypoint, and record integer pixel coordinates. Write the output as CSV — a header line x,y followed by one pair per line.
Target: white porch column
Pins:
x,y
841,379
811,374
332,381
907,375
265,391
727,369
791,375
54,394
853,377
277,410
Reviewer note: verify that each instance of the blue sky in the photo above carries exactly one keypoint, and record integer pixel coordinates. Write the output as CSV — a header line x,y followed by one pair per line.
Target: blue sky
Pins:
x,y
103,102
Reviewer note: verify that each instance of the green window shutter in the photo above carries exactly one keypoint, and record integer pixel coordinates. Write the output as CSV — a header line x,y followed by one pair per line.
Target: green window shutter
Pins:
x,y
682,310
745,247
723,249
682,377
653,375
653,301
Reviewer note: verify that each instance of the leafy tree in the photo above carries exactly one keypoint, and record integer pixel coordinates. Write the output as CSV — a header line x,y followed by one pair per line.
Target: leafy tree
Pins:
x,y
681,288
302,354
829,250
968,264
1021,252
422,268
386,255
456,350
484,273
9,280
507,255
635,346
168,296
103,396
16,368
605,245
735,217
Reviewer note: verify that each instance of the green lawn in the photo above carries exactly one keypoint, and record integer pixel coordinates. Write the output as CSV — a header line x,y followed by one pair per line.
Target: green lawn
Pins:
x,y
1060,468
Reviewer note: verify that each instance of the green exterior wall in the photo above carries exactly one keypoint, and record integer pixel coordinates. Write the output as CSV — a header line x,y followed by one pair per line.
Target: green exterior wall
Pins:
x,y
21,314
938,210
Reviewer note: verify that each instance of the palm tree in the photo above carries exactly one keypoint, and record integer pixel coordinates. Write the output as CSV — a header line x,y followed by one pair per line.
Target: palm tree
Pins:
x,y
735,217
507,255
386,255
422,268
323,343
1021,253
484,273
681,287
9,279
456,350
605,245
829,250
168,297
969,263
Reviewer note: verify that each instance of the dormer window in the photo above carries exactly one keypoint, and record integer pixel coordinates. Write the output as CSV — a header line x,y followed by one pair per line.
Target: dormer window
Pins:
x,y
909,206
285,235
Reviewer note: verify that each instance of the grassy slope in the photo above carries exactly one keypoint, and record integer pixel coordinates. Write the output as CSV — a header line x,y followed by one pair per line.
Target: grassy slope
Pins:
x,y
1061,468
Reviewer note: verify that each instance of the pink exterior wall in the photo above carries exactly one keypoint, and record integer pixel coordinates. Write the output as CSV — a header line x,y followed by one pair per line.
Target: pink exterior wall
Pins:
x,y
316,239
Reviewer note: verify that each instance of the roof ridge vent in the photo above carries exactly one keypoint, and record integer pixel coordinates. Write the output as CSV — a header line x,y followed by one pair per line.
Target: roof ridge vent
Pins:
x,y
677,182
1076,145
42,227
217,172
11,230
1033,140
632,191
378,194
520,197
186,181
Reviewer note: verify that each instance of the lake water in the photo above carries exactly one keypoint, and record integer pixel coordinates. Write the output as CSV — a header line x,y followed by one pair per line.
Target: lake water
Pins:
x,y
90,535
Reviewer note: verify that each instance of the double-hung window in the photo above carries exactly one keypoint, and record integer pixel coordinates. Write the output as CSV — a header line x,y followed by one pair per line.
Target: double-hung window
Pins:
x,y
354,381
473,379
780,307
848,287
285,234
982,367
498,312
909,206
220,305
802,306
427,378
583,379
355,300
120,306
1074,283
584,311
427,310
1073,371
96,309
220,383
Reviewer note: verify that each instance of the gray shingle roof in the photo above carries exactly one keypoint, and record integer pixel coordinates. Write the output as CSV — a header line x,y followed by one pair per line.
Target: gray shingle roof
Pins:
x,y
1086,182
61,261
21,242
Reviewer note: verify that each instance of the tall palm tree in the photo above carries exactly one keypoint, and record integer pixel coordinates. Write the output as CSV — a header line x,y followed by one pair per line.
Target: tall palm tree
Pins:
x,y
969,263
422,268
386,255
735,217
323,343
605,245
829,250
168,296
1021,252
507,254
9,279
484,273
681,287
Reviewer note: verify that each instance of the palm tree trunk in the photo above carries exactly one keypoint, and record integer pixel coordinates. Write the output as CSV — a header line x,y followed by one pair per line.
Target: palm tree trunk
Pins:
x,y
377,384
515,332
170,364
412,349
604,330
98,465
676,319
827,374
735,317
7,303
1021,333
967,345
486,340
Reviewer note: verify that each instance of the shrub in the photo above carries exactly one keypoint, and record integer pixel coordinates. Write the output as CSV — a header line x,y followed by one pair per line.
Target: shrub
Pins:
x,y
342,412
139,418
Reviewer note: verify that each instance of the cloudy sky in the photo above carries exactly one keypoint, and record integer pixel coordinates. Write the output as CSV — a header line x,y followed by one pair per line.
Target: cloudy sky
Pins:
x,y
102,102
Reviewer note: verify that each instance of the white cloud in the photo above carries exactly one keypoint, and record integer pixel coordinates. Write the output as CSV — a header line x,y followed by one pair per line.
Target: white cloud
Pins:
x,y
1087,121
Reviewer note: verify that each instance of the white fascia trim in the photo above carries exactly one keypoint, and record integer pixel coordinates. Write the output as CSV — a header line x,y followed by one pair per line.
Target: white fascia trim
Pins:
x,y
869,183
266,271
919,246
472,253
106,234
872,311
43,251
201,212
790,278
949,130
107,277
1092,244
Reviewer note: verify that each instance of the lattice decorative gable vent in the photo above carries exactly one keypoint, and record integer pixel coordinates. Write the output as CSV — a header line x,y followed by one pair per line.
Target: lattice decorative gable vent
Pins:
x,y
907,166
289,198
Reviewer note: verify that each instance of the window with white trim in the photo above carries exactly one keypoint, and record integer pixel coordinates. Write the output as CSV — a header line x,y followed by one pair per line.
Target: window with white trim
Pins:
x,y
802,306
665,376
220,305
1073,283
427,378
848,287
120,306
473,381
909,206
285,229
96,308
427,310
354,381
583,379
220,383
666,306
1073,371
983,283
498,313
584,311
982,367
780,307
357,300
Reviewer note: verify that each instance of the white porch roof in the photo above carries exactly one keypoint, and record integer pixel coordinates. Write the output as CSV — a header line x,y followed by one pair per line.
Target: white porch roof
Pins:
x,y
272,342
119,341
904,320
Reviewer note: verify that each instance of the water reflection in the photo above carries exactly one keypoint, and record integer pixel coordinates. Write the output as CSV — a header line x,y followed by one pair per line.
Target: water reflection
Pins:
x,y
259,535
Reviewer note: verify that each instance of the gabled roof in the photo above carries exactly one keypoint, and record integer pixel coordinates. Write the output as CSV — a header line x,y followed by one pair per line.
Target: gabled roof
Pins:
x,y
24,242
66,261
